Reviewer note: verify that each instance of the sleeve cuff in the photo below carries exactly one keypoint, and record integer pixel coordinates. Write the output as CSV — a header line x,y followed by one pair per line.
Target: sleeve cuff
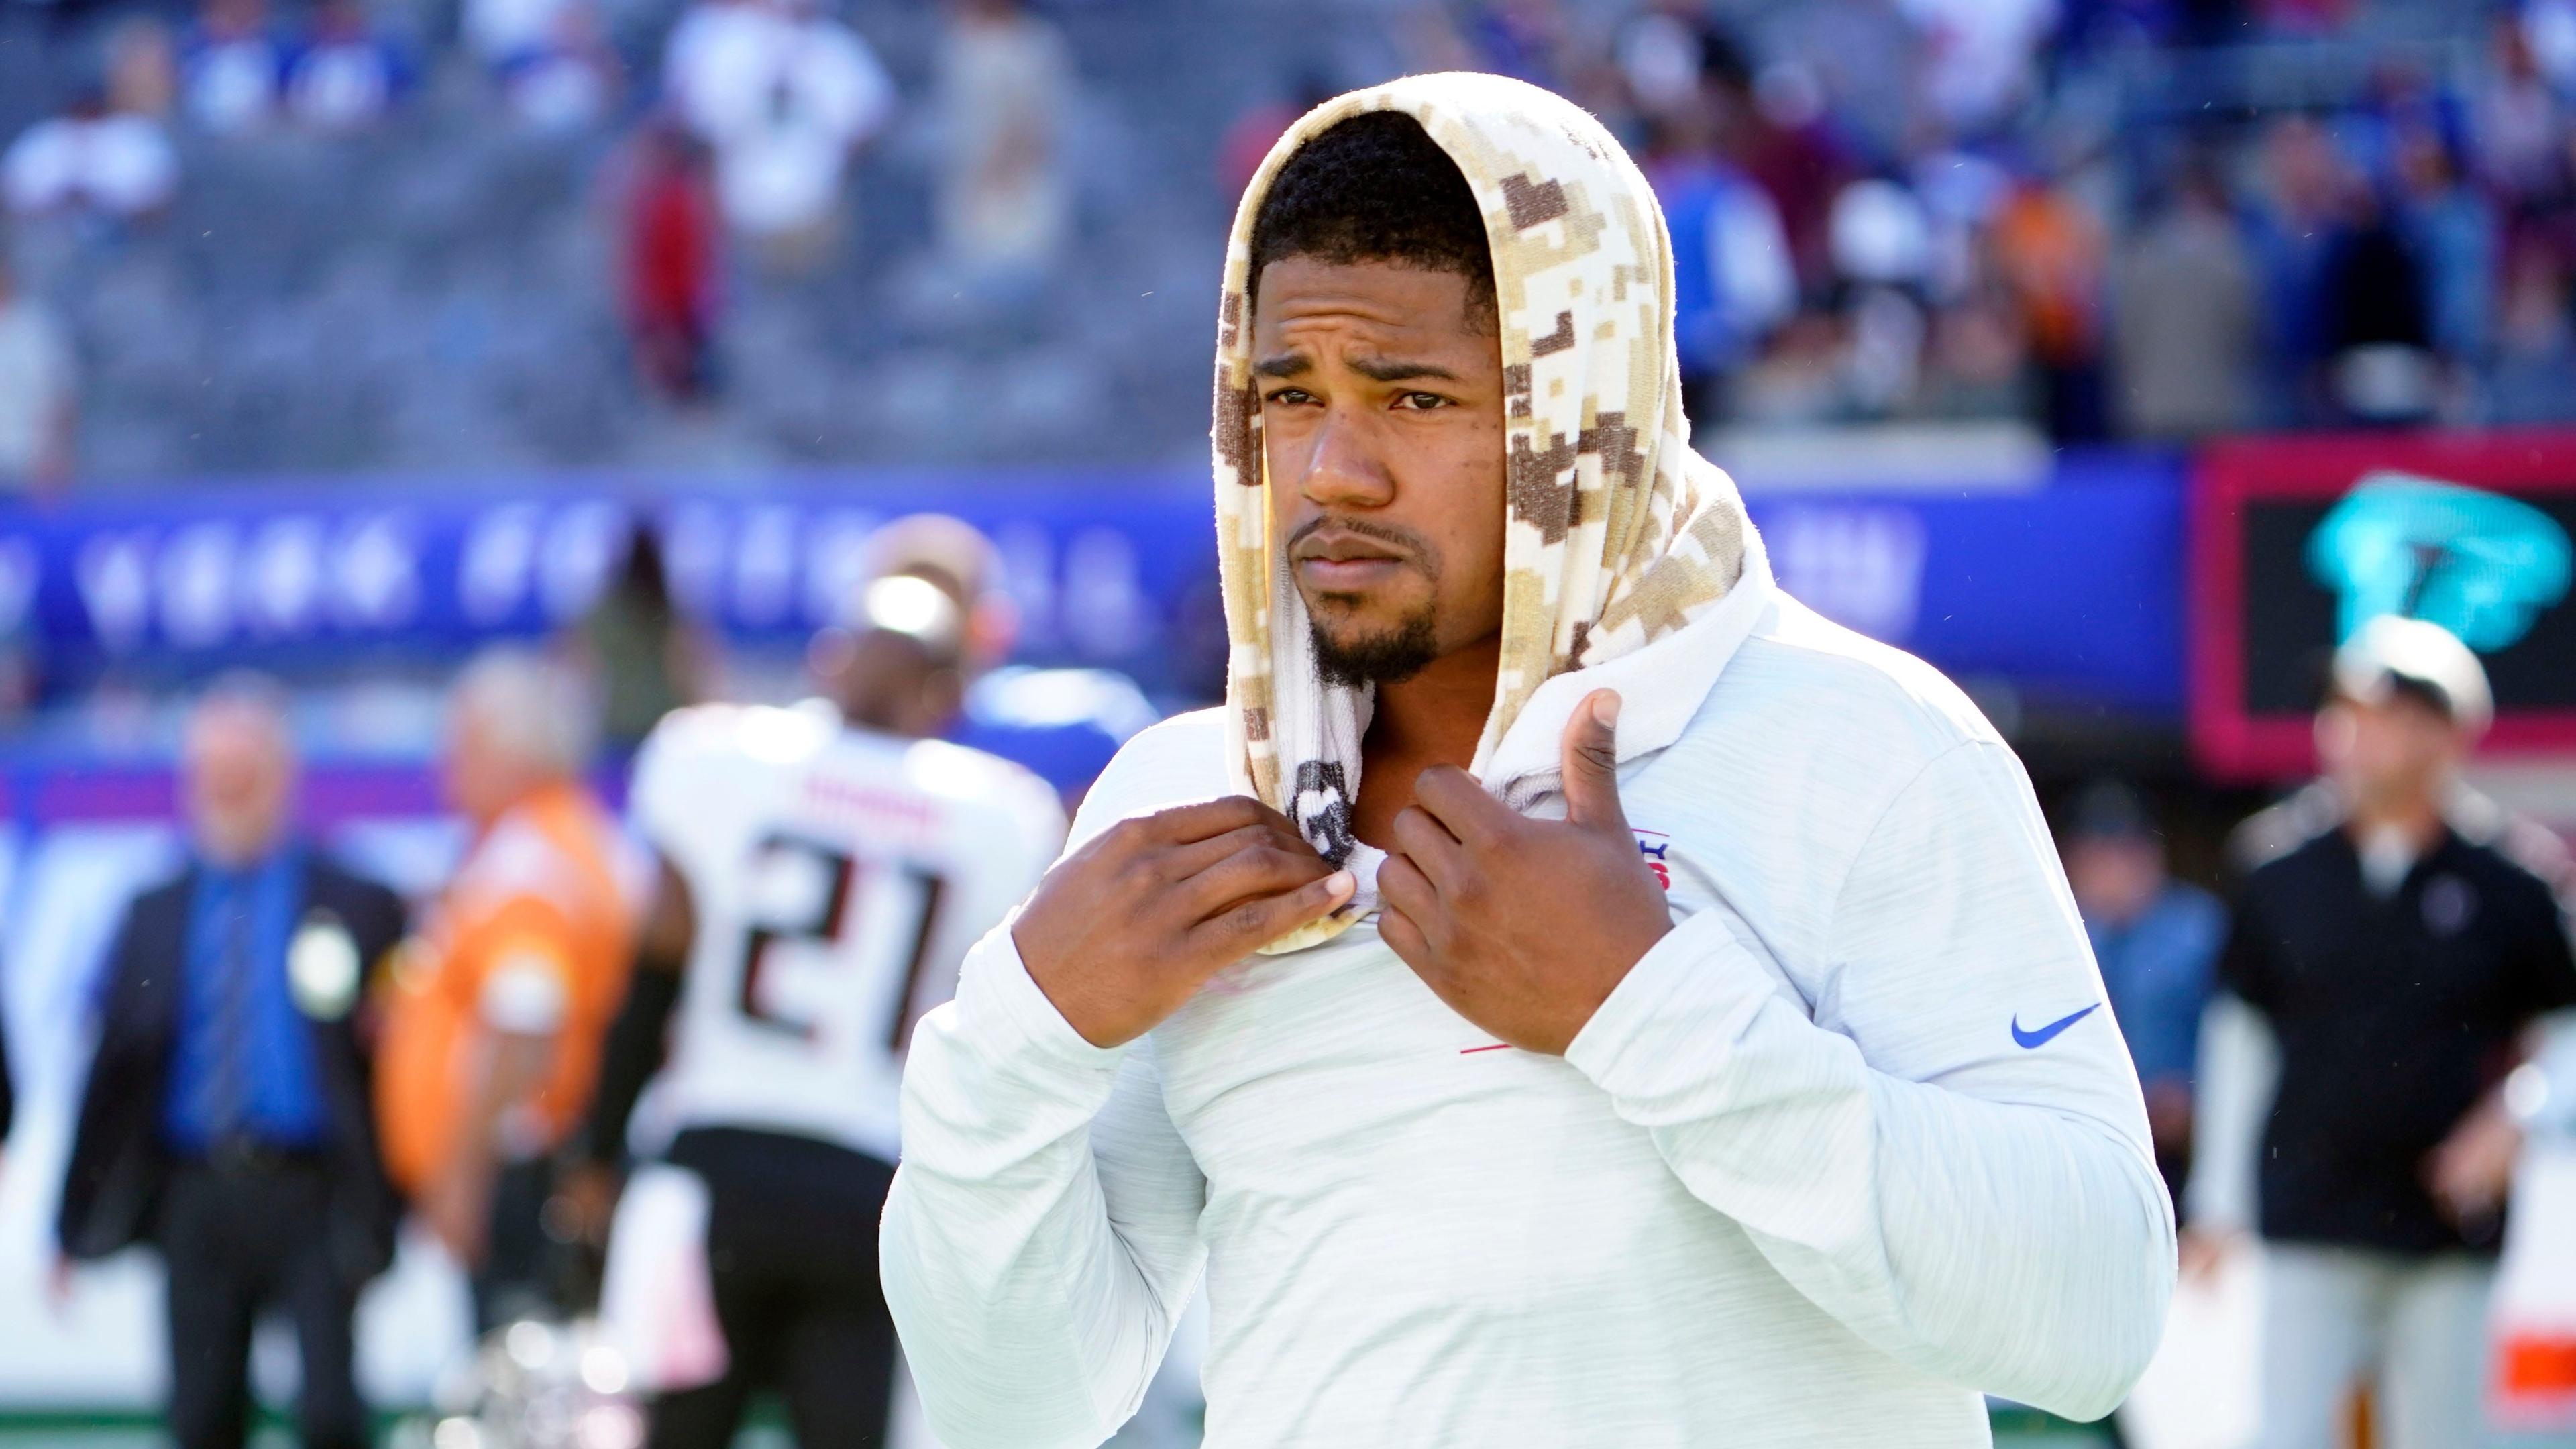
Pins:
x,y
1007,1009
1693,989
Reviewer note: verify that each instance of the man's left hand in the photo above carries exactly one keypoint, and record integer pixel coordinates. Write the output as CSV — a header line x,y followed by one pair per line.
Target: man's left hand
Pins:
x,y
457,1206
2471,1172
1524,926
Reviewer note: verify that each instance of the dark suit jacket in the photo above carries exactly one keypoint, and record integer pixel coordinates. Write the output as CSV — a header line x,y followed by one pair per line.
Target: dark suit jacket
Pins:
x,y
111,1194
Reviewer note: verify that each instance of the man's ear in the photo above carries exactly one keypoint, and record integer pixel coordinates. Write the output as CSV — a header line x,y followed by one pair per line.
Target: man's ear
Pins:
x,y
943,699
828,658
992,628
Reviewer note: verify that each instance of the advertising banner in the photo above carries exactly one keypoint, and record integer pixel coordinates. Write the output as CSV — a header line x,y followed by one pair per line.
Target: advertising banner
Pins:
x,y
2068,592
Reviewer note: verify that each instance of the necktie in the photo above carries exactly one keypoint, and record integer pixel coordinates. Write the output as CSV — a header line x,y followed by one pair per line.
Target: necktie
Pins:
x,y
227,1094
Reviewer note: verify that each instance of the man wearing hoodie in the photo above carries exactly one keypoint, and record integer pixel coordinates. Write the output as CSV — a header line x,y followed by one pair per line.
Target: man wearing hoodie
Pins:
x,y
1570,994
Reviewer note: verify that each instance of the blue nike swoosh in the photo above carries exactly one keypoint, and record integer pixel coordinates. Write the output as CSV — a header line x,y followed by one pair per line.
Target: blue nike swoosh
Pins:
x,y
2029,1040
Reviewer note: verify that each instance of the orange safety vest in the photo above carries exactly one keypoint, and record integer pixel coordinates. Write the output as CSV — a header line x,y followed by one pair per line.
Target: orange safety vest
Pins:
x,y
544,890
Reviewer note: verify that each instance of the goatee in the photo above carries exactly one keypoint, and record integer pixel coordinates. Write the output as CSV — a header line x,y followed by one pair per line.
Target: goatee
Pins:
x,y
1381,658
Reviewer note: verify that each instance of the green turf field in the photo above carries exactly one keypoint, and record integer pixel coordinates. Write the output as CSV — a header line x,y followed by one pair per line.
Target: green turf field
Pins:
x,y
2018,1429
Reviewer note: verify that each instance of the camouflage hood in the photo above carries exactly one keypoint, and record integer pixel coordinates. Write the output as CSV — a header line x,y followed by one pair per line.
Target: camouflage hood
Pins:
x,y
1618,536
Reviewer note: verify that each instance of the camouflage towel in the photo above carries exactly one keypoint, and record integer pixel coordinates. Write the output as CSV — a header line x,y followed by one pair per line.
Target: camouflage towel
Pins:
x,y
1619,534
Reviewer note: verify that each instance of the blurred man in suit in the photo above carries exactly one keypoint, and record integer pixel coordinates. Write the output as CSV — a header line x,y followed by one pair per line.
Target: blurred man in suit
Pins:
x,y
226,1115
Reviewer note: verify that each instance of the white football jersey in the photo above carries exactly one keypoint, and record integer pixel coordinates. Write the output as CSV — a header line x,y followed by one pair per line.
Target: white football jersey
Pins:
x,y
838,876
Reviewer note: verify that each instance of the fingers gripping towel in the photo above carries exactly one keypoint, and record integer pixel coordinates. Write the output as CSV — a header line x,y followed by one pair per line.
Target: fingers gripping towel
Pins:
x,y
1618,533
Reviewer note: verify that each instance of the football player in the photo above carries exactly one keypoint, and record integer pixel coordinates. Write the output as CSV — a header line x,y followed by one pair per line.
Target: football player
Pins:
x,y
823,869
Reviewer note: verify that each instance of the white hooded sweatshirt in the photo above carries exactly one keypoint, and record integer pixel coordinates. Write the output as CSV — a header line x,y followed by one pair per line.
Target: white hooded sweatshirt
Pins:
x,y
1854,1143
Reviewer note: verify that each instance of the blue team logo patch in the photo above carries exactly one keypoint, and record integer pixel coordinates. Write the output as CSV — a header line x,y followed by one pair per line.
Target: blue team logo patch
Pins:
x,y
1656,848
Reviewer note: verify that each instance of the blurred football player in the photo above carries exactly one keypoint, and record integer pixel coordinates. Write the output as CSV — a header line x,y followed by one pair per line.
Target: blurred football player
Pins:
x,y
493,1035
823,870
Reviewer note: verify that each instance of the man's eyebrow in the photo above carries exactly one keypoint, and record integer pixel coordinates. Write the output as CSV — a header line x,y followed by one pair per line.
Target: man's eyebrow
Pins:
x,y
1376,369
1383,369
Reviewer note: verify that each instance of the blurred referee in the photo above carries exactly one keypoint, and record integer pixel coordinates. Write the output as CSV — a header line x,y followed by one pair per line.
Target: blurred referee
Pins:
x,y
2400,954
226,1116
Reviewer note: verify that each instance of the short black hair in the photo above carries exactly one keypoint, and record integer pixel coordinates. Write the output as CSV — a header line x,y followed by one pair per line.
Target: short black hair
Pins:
x,y
1376,188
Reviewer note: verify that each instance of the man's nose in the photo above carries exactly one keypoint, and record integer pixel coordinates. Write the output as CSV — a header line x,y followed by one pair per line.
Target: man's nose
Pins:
x,y
1344,468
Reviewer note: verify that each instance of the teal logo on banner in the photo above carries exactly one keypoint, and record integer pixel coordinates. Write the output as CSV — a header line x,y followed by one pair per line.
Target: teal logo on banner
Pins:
x,y
2479,564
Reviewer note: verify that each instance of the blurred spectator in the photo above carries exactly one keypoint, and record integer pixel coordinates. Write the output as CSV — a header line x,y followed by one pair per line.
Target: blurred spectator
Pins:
x,y
1882,249
1778,131
345,74
39,393
672,246
2535,371
2295,214
91,160
142,69
1799,380
232,67
2049,254
2303,17
226,1118
1962,192
720,64
1663,51
1880,236
2398,961
2184,317
1732,278
2378,336
2157,940
2519,127
499,33
1005,93
1248,140
2451,227
2549,28
550,58
1980,58
493,1035
642,658
785,95
1979,361
1530,40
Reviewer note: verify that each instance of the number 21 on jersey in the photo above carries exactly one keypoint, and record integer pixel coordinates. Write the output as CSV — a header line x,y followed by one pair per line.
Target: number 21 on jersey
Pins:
x,y
809,898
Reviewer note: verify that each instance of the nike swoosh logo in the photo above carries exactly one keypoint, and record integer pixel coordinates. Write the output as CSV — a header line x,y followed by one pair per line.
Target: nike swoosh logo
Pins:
x,y
2031,1040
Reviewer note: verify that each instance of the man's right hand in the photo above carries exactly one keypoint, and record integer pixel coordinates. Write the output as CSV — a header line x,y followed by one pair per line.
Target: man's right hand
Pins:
x,y
457,1206
2205,1251
1126,929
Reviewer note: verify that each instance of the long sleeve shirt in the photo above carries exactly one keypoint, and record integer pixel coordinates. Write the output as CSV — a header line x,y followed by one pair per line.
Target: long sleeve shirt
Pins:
x,y
1854,1143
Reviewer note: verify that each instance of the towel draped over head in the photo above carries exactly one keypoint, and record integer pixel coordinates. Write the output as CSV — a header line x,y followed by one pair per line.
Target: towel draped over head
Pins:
x,y
1617,533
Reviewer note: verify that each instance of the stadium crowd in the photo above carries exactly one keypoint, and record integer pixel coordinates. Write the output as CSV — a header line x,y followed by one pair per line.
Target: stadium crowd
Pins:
x,y
2115,219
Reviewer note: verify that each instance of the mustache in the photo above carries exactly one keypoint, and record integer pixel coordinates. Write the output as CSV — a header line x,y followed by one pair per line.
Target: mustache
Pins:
x,y
1414,545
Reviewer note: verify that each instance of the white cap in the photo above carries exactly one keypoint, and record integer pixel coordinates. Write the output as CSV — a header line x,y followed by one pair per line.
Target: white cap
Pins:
x,y
913,606
2392,651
